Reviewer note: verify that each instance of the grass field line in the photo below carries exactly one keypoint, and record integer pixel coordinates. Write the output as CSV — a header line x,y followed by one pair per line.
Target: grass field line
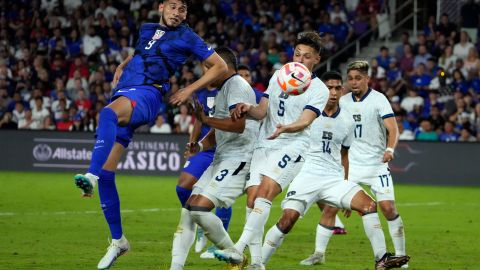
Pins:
x,y
148,210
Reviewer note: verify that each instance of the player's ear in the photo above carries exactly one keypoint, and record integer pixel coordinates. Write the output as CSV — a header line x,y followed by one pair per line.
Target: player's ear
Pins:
x,y
160,7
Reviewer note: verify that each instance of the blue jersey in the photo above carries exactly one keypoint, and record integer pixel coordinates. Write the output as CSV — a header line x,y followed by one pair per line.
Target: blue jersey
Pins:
x,y
160,51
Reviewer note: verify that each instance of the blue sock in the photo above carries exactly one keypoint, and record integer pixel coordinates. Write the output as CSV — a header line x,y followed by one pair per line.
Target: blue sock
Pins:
x,y
183,194
106,133
110,202
224,214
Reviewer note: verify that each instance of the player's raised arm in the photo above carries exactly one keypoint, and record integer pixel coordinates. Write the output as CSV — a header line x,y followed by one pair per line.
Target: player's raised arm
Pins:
x,y
229,124
256,111
216,67
392,139
305,119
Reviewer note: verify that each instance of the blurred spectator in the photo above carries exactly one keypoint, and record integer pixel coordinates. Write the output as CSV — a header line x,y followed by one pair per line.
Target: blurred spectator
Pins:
x,y
161,126
449,134
412,100
64,123
405,134
183,121
39,113
472,63
420,80
469,18
26,122
384,58
426,132
462,48
446,27
422,56
48,124
92,43
7,121
448,59
466,135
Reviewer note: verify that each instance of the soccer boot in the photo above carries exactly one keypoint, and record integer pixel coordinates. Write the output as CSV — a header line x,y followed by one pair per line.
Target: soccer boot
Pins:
x,y
238,266
209,253
116,249
201,241
229,255
339,230
315,258
86,182
389,261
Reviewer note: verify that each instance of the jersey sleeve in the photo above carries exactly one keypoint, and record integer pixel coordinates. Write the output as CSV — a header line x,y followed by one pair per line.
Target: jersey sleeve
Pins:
x,y
197,46
317,99
384,108
271,85
240,92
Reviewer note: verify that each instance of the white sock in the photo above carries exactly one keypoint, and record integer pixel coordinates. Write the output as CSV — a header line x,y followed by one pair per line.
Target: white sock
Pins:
x,y
322,237
256,220
338,222
248,210
182,239
213,228
398,235
374,232
255,245
273,240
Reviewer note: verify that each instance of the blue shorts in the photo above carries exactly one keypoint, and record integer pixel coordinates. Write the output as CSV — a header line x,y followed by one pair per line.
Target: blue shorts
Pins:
x,y
199,163
146,102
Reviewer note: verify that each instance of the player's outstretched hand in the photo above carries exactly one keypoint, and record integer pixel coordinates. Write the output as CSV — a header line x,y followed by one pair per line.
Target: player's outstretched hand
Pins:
x,y
387,156
280,129
191,149
180,97
198,110
241,110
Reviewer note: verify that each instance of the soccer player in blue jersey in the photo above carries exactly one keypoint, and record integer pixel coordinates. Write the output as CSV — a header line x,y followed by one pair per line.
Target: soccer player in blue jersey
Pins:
x,y
141,81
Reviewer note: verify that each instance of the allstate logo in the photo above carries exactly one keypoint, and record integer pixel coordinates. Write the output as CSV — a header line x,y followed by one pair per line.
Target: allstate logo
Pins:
x,y
42,152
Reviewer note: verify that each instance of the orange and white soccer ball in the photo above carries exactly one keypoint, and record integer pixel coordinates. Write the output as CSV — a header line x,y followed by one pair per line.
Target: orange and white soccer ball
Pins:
x,y
294,78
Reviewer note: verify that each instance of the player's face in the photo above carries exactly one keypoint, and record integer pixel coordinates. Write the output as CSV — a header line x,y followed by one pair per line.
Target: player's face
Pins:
x,y
335,87
246,75
173,12
306,55
357,82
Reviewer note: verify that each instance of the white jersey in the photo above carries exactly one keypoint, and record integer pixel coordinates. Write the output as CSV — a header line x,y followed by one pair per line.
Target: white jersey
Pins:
x,y
370,132
328,136
231,145
284,109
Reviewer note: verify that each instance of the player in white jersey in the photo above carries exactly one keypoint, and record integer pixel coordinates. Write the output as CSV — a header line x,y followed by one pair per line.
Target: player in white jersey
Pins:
x,y
283,139
376,135
224,180
321,179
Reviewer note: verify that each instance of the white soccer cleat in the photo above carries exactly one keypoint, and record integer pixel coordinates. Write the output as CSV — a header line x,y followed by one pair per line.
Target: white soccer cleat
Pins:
x,y
209,253
230,255
315,258
201,241
256,266
116,249
86,182
405,266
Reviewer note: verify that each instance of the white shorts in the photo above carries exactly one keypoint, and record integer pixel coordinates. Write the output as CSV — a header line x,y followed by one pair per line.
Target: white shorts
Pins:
x,y
280,165
378,178
223,182
310,187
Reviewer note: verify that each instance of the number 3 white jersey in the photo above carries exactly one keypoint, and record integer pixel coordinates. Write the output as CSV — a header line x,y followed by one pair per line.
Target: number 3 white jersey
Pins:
x,y
328,135
284,109
231,145
370,133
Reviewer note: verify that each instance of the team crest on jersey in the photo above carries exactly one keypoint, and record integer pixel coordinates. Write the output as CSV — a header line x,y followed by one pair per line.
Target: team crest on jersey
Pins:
x,y
283,95
158,34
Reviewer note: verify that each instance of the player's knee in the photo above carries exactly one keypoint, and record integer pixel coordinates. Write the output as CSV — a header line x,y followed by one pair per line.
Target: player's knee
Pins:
x,y
198,215
389,210
370,207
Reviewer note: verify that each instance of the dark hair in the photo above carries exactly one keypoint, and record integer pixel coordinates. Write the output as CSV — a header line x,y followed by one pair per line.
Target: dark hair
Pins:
x,y
243,67
312,39
228,56
185,2
331,75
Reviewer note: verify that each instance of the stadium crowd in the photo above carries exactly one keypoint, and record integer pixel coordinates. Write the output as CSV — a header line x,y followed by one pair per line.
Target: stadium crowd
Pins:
x,y
57,59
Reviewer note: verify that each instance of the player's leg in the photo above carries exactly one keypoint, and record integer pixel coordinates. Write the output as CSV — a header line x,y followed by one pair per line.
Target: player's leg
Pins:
x,y
339,227
183,238
110,203
276,234
325,230
255,245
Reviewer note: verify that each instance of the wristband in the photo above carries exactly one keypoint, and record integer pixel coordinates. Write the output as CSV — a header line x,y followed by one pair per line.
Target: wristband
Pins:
x,y
390,149
200,146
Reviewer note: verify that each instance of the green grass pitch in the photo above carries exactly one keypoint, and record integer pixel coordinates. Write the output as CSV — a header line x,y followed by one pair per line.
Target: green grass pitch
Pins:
x,y
45,224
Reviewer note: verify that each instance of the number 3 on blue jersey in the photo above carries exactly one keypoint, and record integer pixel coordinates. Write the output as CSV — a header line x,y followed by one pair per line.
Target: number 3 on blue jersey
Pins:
x,y
281,108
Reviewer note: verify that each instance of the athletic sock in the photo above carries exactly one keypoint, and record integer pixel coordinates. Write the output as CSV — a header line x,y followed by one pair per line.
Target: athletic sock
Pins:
x,y
182,239
398,235
374,232
338,222
225,214
110,202
322,237
105,138
213,228
273,240
183,194
256,220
